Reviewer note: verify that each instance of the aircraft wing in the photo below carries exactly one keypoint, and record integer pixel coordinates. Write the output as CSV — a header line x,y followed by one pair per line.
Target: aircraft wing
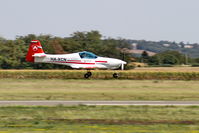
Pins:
x,y
85,66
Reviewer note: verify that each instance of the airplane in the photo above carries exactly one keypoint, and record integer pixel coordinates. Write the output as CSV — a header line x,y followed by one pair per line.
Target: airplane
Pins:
x,y
79,60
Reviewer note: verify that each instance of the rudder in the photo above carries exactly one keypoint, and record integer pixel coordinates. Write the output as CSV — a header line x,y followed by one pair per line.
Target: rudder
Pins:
x,y
35,47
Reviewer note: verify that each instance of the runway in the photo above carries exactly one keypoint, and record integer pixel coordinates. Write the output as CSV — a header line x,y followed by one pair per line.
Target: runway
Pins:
x,y
116,103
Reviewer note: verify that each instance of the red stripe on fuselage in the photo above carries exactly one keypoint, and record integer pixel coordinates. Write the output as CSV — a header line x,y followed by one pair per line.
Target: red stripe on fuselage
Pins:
x,y
101,61
74,62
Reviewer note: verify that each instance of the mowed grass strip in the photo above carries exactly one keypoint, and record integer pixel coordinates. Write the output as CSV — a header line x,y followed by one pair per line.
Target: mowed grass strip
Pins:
x,y
144,114
137,74
115,119
57,89
166,69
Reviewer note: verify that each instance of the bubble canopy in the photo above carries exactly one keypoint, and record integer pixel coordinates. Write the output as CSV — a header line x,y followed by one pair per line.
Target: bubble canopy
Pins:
x,y
87,55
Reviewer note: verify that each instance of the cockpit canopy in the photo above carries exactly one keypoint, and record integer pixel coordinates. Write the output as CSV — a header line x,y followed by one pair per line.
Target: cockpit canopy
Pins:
x,y
87,55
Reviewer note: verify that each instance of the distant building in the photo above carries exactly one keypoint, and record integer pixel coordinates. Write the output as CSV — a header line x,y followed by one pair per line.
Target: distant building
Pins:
x,y
166,45
134,45
180,46
188,46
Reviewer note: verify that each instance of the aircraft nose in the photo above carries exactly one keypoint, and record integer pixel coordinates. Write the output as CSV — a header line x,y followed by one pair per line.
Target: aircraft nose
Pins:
x,y
119,62
123,62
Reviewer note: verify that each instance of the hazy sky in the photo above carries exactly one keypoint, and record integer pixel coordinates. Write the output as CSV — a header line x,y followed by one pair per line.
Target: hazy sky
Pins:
x,y
174,20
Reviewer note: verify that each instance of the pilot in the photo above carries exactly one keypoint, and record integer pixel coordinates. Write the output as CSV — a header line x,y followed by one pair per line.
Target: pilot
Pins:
x,y
83,55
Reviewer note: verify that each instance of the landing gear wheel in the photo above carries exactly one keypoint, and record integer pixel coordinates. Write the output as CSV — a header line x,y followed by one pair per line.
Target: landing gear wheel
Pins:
x,y
115,75
86,75
89,73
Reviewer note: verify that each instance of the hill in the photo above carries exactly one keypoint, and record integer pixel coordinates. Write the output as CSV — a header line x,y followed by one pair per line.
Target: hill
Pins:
x,y
139,52
157,47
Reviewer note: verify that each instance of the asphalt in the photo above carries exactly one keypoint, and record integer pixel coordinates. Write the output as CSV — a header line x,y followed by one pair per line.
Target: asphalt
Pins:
x,y
117,103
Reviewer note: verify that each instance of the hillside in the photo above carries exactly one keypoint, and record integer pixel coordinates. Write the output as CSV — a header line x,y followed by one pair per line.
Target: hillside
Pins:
x,y
138,52
192,50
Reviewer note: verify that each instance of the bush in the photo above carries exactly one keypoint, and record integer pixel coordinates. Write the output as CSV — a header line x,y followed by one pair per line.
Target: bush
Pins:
x,y
163,65
195,65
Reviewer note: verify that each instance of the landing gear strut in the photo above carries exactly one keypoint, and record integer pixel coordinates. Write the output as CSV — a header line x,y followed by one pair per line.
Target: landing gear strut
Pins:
x,y
115,75
87,75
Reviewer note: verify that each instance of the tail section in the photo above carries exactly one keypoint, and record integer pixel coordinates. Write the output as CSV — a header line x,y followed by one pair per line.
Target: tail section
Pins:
x,y
34,48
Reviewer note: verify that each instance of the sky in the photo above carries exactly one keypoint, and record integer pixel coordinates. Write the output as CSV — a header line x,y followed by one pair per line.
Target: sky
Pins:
x,y
172,20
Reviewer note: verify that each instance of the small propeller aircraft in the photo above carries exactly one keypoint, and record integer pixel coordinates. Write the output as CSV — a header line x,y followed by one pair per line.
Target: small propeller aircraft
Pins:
x,y
80,60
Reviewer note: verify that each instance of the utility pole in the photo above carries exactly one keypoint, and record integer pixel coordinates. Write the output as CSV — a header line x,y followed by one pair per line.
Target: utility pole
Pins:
x,y
186,59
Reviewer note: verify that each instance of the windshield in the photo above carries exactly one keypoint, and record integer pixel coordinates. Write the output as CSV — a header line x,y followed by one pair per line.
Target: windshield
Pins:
x,y
87,55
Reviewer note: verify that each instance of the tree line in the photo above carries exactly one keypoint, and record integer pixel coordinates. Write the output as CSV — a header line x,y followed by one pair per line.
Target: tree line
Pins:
x,y
168,58
13,52
190,49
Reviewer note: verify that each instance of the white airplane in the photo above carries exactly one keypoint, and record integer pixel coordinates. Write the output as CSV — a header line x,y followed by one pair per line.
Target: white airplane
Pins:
x,y
85,60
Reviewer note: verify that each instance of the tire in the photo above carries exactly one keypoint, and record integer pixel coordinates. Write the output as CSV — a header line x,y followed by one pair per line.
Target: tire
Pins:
x,y
86,76
115,75
89,73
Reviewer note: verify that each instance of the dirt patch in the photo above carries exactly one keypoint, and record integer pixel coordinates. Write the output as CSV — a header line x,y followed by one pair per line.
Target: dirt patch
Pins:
x,y
125,122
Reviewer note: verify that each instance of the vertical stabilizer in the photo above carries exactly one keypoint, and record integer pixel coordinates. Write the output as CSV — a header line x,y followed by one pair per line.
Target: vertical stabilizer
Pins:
x,y
34,48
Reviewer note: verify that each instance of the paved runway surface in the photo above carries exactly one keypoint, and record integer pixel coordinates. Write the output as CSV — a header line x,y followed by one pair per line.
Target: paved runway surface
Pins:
x,y
69,103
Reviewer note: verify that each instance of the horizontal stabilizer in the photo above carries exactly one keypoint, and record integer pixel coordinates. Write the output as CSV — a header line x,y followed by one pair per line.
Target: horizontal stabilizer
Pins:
x,y
39,55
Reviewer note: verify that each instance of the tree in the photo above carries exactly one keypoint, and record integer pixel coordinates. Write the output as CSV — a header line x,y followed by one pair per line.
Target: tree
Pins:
x,y
154,60
13,52
144,57
168,57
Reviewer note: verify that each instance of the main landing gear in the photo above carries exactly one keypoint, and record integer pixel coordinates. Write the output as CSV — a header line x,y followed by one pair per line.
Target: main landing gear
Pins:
x,y
87,75
115,75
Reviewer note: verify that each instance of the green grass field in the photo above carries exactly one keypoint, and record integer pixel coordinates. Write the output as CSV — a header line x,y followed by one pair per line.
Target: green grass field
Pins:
x,y
100,119
57,89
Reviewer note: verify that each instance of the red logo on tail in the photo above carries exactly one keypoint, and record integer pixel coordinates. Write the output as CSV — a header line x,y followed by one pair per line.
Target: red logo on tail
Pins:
x,y
34,48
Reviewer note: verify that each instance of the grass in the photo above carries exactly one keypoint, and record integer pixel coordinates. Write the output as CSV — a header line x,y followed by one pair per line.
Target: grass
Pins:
x,y
136,74
57,89
166,69
99,119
